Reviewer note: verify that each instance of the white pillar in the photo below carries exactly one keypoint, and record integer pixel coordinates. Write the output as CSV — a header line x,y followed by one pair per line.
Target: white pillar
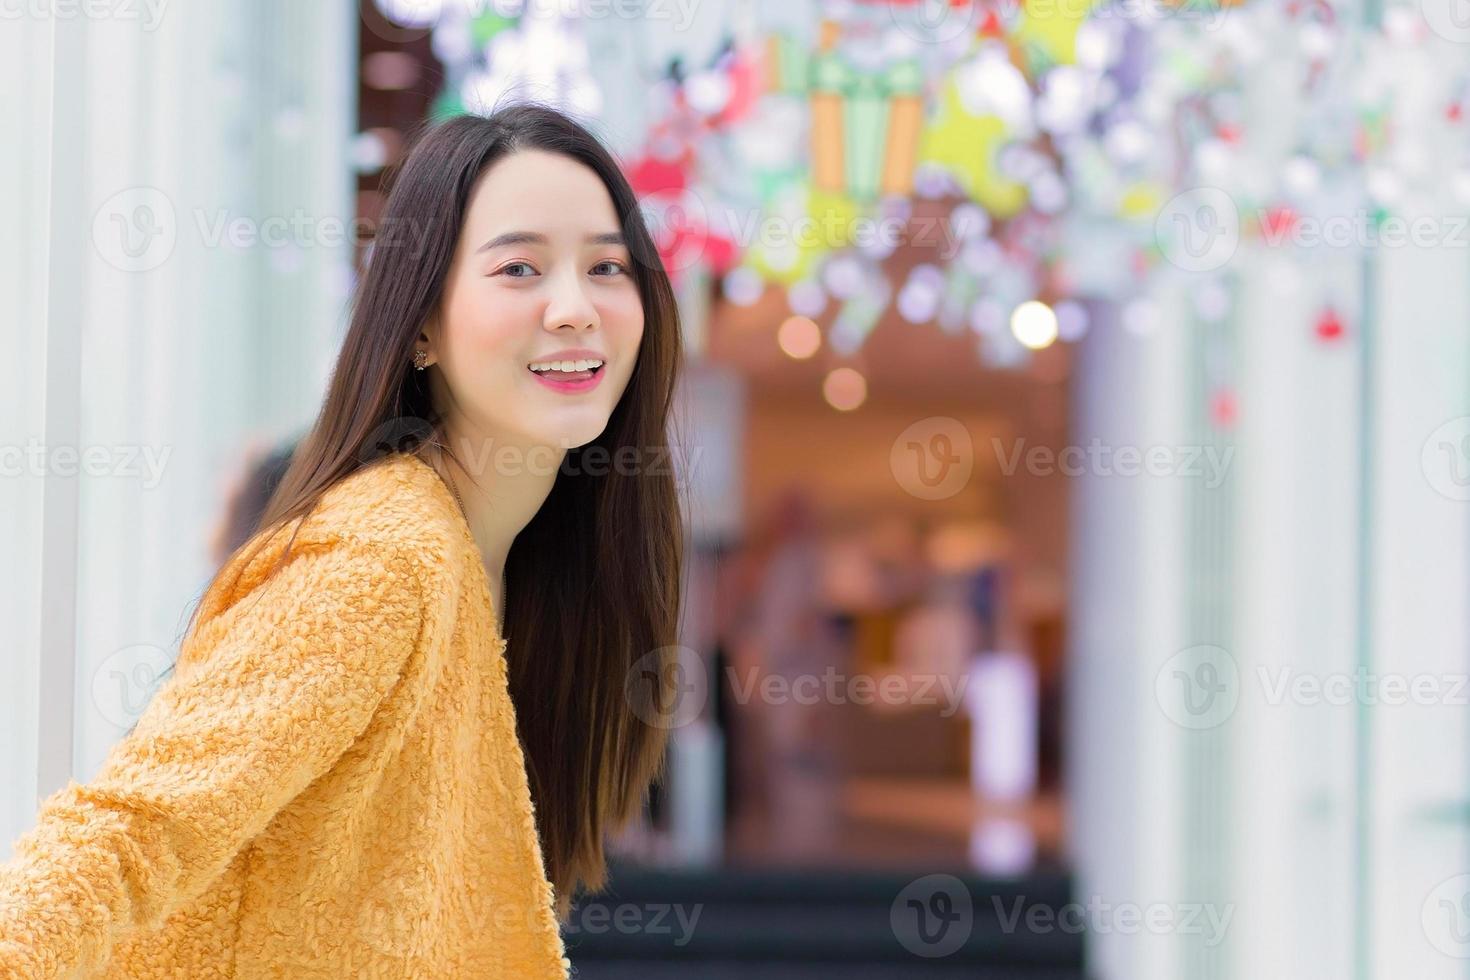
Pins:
x,y
141,338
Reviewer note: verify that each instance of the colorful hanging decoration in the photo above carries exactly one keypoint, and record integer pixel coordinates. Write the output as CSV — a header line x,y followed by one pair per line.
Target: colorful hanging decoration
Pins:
x,y
538,52
1069,129
865,125
676,219
967,146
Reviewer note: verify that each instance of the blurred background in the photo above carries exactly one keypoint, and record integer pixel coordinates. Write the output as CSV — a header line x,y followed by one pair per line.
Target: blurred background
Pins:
x,y
1075,440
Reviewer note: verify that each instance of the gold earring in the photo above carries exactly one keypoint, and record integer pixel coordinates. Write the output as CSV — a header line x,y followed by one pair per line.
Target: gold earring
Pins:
x,y
420,359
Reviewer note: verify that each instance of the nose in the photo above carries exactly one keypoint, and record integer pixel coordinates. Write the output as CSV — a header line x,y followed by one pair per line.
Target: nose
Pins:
x,y
569,305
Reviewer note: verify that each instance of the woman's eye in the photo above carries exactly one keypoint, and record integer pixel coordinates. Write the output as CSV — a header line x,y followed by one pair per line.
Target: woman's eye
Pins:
x,y
617,267
517,265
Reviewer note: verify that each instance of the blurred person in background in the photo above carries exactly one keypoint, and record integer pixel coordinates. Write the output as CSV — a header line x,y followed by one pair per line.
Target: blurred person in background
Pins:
x,y
246,498
782,633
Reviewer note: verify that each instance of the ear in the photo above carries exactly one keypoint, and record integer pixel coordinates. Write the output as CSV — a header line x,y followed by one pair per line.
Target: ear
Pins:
x,y
428,336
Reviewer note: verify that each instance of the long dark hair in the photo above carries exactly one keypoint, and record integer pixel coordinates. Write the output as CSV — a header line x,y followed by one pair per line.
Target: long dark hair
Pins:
x,y
599,566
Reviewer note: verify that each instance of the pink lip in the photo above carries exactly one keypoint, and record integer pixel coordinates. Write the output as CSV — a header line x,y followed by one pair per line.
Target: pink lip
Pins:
x,y
571,387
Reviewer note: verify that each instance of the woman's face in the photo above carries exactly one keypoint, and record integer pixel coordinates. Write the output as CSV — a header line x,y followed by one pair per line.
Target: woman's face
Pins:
x,y
540,277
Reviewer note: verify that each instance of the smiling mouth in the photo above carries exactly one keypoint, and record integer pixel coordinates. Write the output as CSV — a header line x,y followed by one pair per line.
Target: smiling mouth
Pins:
x,y
560,374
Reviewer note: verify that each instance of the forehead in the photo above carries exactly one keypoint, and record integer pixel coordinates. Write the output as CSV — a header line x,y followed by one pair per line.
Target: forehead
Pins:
x,y
536,191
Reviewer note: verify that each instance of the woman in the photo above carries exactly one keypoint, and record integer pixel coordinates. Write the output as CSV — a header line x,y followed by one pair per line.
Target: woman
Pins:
x,y
359,769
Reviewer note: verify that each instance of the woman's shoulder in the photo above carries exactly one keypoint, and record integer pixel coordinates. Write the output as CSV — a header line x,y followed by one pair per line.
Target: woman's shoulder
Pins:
x,y
393,508
397,497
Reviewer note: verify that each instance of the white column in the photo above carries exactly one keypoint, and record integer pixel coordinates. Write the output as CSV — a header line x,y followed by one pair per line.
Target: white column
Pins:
x,y
1294,595
1125,753
146,337
26,57
1417,767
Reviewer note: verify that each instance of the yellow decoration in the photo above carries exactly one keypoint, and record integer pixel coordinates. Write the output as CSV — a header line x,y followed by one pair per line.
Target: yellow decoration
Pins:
x,y
820,222
1141,200
1050,27
832,218
798,270
967,145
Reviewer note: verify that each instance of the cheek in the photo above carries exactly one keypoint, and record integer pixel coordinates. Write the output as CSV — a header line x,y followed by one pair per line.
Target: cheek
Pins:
x,y
622,324
480,324
623,318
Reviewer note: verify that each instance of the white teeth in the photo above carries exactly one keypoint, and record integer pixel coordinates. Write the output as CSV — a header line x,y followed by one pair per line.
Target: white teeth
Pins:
x,y
569,366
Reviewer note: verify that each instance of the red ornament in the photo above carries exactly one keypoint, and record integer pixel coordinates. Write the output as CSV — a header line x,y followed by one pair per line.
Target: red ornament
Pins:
x,y
676,218
1060,277
1222,408
1329,328
744,72
1277,223
650,175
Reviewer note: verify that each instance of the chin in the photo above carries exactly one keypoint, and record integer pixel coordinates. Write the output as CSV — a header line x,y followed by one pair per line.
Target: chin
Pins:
x,y
575,433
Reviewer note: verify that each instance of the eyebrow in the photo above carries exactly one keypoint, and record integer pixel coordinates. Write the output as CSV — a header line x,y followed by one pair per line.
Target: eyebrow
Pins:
x,y
535,238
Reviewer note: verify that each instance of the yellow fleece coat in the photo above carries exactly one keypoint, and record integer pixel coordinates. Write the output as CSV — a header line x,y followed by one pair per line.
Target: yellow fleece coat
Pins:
x,y
329,785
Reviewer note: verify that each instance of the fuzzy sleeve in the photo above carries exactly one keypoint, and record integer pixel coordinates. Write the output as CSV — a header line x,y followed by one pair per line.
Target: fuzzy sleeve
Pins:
x,y
273,692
